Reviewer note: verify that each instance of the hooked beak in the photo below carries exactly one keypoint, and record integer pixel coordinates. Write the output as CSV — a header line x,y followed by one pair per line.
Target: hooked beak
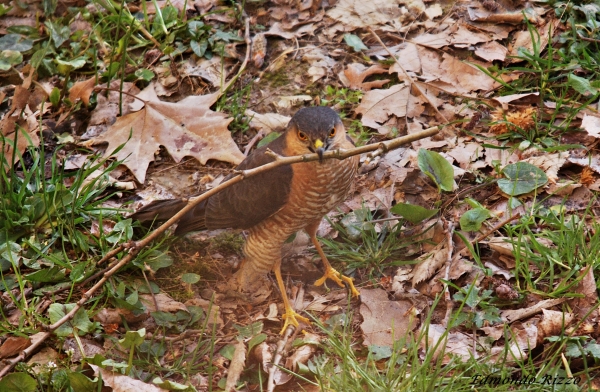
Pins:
x,y
319,147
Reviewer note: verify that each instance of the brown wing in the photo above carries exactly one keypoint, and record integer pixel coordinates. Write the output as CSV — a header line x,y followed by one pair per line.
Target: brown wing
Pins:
x,y
247,203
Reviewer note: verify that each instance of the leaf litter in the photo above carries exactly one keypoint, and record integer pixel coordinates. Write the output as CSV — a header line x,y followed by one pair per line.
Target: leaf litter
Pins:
x,y
432,58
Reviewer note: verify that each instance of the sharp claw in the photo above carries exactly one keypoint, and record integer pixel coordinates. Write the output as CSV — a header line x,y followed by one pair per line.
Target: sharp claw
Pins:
x,y
338,278
291,318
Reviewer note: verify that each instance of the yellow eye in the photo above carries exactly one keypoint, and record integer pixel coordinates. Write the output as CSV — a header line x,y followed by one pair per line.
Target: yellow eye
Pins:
x,y
302,136
332,132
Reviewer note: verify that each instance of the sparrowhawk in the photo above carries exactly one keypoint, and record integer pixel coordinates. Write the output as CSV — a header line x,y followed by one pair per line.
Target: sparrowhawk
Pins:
x,y
275,204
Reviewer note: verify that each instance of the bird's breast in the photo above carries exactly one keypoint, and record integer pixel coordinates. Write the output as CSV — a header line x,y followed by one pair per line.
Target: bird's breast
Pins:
x,y
318,187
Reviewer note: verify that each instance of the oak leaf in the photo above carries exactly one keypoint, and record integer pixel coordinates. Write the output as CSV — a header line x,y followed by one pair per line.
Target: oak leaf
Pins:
x,y
185,128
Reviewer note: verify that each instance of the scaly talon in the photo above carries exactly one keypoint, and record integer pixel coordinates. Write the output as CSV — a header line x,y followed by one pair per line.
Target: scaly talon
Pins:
x,y
334,275
291,317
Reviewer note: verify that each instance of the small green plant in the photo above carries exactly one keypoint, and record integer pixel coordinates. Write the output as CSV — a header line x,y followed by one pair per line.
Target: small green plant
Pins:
x,y
362,244
478,309
345,98
235,104
359,133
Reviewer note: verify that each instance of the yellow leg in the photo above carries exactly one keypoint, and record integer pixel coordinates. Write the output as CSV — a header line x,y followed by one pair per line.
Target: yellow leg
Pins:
x,y
330,272
290,316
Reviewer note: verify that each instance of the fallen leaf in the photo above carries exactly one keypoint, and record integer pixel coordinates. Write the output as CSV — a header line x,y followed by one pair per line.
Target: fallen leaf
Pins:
x,y
450,344
522,41
164,301
360,13
429,263
356,73
587,288
13,345
236,367
278,30
456,35
120,383
185,128
385,321
377,106
553,323
491,51
82,90
267,122
213,70
591,124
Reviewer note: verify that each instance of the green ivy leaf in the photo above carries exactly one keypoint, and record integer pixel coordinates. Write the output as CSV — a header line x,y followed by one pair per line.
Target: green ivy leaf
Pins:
x,y
472,219
437,168
8,58
521,178
412,212
18,382
199,48
15,42
380,352
80,321
133,339
581,85
144,74
59,34
190,278
355,42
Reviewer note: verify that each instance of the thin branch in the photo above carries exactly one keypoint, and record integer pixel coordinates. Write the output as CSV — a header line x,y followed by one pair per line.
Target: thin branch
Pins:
x,y
277,358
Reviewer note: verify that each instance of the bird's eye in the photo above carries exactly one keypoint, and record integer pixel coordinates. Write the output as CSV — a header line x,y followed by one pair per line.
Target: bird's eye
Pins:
x,y
302,136
332,132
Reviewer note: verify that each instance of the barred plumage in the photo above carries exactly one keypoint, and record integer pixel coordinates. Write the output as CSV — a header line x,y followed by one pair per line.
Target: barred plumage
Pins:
x,y
278,203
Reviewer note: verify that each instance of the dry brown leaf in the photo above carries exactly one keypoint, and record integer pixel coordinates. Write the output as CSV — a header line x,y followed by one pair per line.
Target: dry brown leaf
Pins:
x,y
521,339
300,356
463,77
549,163
356,73
554,323
429,263
185,128
108,107
378,105
465,153
13,345
408,56
360,13
82,90
42,358
213,70
591,124
237,366
448,343
589,299
457,35
120,383
278,30
267,122
512,315
491,51
522,40
164,301
385,321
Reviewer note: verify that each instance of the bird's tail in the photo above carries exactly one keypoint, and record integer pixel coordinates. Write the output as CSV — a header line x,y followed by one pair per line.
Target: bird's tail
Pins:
x,y
162,210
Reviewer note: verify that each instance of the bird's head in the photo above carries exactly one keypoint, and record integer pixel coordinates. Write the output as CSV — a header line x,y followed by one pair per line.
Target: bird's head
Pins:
x,y
315,129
